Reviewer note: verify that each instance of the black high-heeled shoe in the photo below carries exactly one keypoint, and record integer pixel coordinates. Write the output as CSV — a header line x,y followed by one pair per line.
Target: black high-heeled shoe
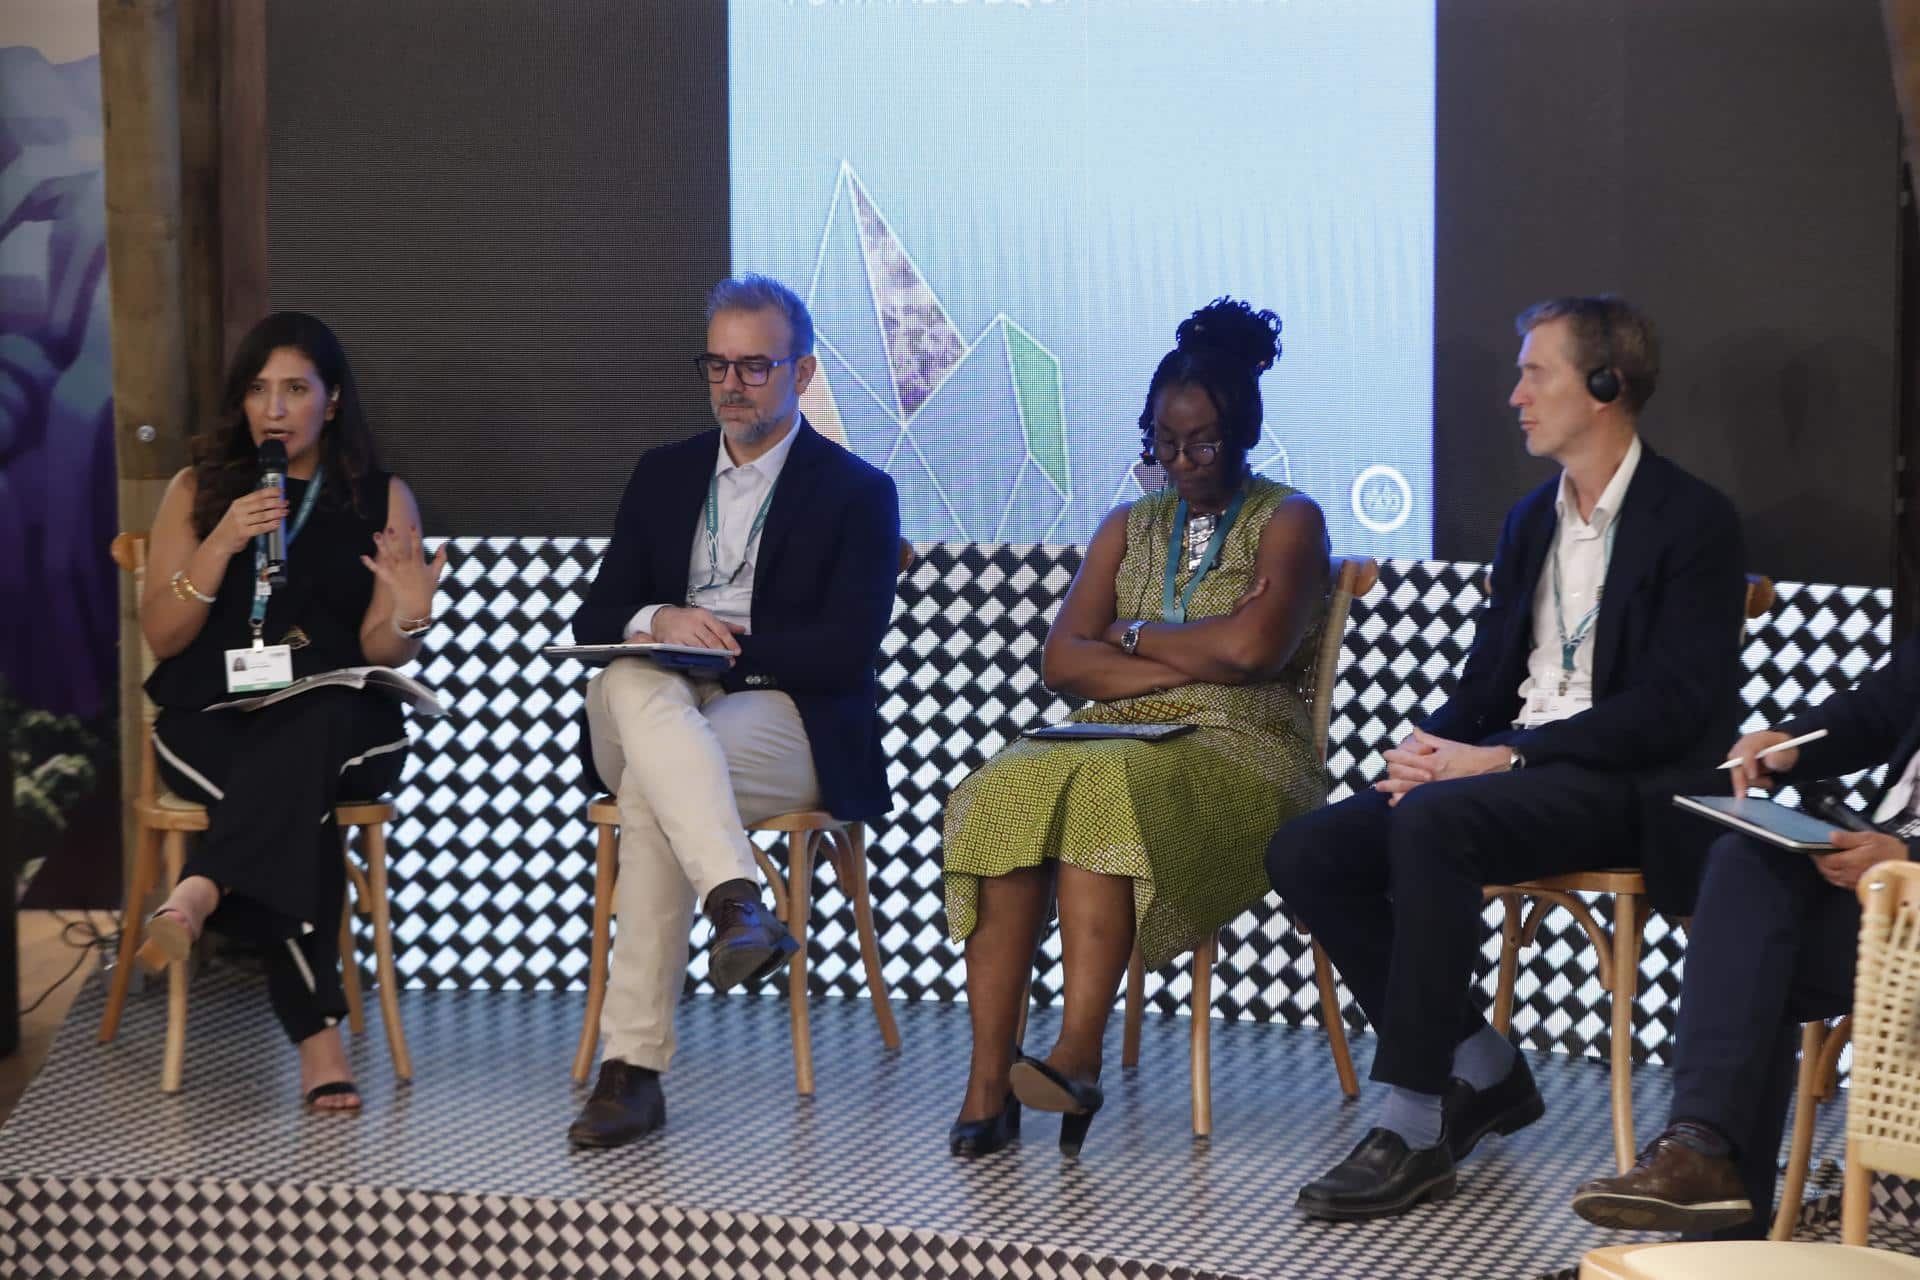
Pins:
x,y
1041,1087
975,1138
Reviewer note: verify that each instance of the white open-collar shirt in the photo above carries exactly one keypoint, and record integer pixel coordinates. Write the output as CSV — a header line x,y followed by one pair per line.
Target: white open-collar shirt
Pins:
x,y
739,488
1580,548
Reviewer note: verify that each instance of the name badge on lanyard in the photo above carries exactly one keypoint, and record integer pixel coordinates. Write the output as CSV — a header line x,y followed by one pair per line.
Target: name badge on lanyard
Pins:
x,y
261,666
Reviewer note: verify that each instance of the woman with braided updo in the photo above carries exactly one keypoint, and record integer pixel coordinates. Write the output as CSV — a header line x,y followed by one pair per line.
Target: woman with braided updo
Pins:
x,y
1198,605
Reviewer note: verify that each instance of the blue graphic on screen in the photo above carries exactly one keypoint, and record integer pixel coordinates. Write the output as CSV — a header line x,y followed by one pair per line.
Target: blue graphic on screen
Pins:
x,y
999,212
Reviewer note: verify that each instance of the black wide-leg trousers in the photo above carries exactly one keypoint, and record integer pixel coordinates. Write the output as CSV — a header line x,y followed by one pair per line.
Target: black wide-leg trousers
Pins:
x,y
1771,946
270,780
1394,894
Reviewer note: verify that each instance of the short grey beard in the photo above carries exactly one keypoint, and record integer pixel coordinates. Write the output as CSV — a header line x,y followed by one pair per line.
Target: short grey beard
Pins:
x,y
751,433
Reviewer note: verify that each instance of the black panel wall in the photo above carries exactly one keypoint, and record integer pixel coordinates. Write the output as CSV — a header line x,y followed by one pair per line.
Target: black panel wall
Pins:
x,y
510,211
1731,167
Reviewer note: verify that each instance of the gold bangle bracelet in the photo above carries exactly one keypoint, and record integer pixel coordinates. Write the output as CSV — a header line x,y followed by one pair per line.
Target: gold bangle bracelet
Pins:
x,y
188,593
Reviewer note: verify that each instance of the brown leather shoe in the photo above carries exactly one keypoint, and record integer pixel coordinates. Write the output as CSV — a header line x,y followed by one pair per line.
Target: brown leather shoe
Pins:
x,y
626,1102
749,942
1674,1186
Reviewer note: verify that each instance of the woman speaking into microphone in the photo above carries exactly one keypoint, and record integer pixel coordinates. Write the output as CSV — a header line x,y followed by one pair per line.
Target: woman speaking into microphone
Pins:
x,y
226,623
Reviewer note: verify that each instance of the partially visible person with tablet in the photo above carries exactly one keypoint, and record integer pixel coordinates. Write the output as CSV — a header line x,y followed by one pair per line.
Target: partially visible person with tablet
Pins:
x,y
1771,946
1196,605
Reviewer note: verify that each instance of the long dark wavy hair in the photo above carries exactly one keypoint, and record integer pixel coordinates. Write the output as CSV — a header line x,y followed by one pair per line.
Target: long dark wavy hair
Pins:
x,y
224,460
1222,348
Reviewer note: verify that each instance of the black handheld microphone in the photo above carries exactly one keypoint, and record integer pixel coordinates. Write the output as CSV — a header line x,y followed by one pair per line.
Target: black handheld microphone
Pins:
x,y
273,475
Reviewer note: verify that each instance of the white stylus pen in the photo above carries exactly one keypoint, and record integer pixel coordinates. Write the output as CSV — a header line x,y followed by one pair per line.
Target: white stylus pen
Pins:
x,y
1815,736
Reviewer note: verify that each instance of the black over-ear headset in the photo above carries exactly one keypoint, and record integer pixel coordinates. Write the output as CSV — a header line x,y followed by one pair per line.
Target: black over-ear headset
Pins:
x,y
1603,384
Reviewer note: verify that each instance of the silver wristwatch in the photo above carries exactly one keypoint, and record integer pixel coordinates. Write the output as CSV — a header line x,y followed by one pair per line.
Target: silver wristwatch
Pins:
x,y
1518,762
1130,638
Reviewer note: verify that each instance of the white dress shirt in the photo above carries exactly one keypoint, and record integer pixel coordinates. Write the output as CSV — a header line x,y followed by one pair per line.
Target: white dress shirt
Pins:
x,y
1580,548
739,489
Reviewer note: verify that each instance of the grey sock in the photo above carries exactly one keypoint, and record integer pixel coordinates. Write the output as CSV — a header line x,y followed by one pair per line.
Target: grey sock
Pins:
x,y
1416,1117
1484,1058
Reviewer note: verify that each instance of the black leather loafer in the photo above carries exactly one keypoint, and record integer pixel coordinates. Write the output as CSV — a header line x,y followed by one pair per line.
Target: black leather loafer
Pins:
x,y
626,1102
1381,1178
1507,1107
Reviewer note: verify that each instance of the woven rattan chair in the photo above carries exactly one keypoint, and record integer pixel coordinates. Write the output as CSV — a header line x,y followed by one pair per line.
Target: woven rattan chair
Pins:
x,y
1883,1114
1617,954
163,822
807,832
1352,576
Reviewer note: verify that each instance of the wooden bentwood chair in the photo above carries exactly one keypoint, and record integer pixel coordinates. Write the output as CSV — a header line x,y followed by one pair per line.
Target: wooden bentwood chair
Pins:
x,y
807,831
1883,1114
164,821
1617,954
1351,576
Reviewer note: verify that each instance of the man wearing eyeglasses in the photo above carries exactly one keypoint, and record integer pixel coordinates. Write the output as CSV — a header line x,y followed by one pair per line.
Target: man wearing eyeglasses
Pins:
x,y
771,544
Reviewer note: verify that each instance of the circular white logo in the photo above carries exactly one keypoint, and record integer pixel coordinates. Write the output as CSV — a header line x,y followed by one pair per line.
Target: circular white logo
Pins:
x,y
1382,499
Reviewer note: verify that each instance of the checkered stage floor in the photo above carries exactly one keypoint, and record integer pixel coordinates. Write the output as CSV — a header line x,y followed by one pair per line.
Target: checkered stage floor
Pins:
x,y
466,1171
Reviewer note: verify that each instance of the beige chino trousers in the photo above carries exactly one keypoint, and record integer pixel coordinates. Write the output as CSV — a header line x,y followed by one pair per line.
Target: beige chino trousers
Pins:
x,y
690,765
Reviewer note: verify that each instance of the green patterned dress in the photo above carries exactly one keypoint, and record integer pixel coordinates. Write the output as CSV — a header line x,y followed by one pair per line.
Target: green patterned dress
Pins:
x,y
1187,818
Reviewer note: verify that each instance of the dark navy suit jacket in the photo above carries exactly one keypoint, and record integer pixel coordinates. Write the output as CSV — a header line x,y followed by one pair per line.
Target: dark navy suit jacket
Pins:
x,y
823,594
1877,720
1666,657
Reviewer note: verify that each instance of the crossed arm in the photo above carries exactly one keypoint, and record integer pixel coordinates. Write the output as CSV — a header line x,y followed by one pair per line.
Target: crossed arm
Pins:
x,y
1243,646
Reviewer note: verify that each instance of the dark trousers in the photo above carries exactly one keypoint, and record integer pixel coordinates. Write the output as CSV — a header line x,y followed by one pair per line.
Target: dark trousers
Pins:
x,y
1771,946
270,780
1394,894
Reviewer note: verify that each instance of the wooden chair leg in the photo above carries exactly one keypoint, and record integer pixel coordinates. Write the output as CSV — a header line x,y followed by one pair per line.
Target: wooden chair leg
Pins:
x,y
376,851
1629,922
1805,1101
1856,1196
174,1061
146,860
800,852
1135,1010
1509,963
606,862
1336,1025
1200,1046
349,962
854,883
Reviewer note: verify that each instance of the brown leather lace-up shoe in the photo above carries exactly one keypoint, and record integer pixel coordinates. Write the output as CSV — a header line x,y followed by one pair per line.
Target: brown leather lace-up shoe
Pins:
x,y
1676,1185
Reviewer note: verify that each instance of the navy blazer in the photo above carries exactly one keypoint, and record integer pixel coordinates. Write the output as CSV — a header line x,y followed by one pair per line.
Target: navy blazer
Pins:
x,y
1666,656
1876,721
823,594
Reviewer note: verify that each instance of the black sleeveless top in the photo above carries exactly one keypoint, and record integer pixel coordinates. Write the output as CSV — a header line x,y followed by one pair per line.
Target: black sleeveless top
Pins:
x,y
327,594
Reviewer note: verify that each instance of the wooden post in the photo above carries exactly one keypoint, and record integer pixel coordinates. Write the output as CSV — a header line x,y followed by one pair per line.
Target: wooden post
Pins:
x,y
243,168
140,108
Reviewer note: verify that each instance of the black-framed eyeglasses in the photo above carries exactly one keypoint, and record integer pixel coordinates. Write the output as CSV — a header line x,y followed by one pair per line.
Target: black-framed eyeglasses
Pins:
x,y
754,370
1201,453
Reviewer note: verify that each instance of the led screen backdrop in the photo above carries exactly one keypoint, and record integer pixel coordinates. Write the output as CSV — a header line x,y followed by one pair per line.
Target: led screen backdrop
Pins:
x,y
999,212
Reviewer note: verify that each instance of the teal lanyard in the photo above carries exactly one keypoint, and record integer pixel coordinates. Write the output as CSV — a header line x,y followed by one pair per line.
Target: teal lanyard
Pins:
x,y
262,589
1172,610
713,537
1570,641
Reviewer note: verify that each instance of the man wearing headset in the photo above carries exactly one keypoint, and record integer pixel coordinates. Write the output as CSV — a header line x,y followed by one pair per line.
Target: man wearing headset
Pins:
x,y
1606,657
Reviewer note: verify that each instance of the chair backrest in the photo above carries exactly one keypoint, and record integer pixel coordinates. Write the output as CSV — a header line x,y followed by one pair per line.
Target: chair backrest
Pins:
x,y
1350,576
1759,594
129,551
1883,1104
906,558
